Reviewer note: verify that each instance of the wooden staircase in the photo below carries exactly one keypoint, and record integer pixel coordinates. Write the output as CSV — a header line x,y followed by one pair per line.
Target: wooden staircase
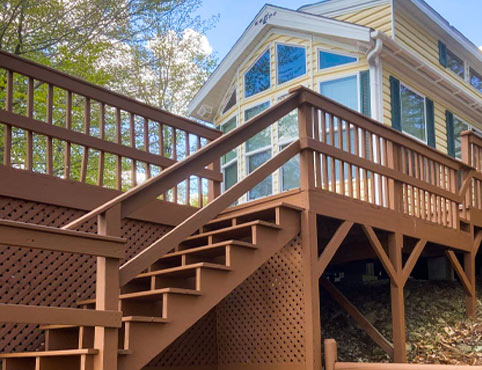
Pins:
x,y
165,300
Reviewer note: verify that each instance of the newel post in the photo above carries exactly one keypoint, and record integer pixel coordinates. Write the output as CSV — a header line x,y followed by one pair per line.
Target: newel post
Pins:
x,y
107,292
309,239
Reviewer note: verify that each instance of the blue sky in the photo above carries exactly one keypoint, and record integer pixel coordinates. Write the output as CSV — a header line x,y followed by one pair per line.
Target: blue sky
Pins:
x,y
235,15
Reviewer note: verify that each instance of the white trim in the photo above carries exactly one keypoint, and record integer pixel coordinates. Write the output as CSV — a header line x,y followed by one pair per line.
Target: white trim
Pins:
x,y
345,54
276,43
248,68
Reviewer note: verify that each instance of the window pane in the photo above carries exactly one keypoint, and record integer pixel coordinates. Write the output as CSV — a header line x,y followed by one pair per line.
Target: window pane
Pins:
x,y
228,126
230,175
455,64
413,113
475,80
264,188
343,90
291,62
231,102
258,79
328,60
288,127
251,112
459,126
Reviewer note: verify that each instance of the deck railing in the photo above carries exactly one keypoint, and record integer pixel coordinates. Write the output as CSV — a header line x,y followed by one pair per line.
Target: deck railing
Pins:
x,y
62,126
471,144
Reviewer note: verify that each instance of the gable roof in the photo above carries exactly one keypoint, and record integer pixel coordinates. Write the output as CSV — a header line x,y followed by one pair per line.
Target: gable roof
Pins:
x,y
206,102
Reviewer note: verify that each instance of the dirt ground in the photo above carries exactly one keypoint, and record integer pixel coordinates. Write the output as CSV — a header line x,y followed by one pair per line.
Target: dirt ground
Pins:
x,y
438,331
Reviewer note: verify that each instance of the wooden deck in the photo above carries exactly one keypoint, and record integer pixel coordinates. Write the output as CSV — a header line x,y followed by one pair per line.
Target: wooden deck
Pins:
x,y
366,192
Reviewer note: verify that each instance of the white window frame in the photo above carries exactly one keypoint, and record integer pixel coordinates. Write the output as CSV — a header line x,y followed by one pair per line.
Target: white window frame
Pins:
x,y
331,51
267,49
424,109
319,81
259,150
235,159
277,65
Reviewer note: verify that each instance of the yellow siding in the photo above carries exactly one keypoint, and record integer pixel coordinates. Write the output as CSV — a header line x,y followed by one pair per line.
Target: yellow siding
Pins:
x,y
424,43
378,17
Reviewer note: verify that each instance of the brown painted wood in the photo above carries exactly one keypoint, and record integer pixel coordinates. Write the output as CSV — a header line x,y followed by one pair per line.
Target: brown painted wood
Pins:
x,y
22,314
356,315
332,247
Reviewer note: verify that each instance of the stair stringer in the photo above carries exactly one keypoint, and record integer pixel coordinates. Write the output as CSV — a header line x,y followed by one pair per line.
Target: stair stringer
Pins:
x,y
148,341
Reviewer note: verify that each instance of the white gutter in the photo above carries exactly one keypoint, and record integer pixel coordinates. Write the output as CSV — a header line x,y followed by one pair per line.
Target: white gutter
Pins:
x,y
376,77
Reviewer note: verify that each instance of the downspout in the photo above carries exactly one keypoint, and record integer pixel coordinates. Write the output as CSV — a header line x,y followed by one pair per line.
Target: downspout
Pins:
x,y
376,77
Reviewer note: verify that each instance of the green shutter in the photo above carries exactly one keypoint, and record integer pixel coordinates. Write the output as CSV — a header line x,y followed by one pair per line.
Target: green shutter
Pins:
x,y
430,122
442,53
395,102
449,119
365,93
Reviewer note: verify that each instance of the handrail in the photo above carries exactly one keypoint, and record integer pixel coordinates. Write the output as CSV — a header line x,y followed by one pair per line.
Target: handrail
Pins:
x,y
87,89
141,195
174,237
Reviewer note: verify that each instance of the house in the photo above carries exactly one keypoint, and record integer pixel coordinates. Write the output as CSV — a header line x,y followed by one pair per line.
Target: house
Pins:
x,y
398,62
121,250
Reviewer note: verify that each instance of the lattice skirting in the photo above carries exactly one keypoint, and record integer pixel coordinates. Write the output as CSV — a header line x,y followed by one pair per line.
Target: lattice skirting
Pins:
x,y
260,325
52,278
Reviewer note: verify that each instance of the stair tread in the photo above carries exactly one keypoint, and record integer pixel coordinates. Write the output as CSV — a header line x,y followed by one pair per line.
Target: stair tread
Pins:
x,y
233,213
55,353
209,247
156,292
53,327
233,228
147,319
189,267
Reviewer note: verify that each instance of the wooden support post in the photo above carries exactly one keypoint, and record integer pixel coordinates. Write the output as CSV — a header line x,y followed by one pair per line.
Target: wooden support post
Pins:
x,y
470,297
214,186
395,245
307,168
309,237
107,293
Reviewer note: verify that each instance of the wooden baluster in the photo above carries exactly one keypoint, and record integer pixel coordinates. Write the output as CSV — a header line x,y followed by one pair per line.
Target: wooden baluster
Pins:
x,y
100,167
199,184
118,133
411,188
316,135
132,136
174,155
357,153
161,150
107,293
146,146
379,177
332,160
342,164
30,105
349,150
50,154
188,180
68,126
364,155
371,153
85,154
324,160
404,170
7,147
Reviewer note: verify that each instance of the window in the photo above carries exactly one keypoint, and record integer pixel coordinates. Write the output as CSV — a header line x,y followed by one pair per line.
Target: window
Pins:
x,y
287,133
343,90
459,127
258,151
455,64
413,113
291,62
231,102
476,79
329,60
229,163
258,77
